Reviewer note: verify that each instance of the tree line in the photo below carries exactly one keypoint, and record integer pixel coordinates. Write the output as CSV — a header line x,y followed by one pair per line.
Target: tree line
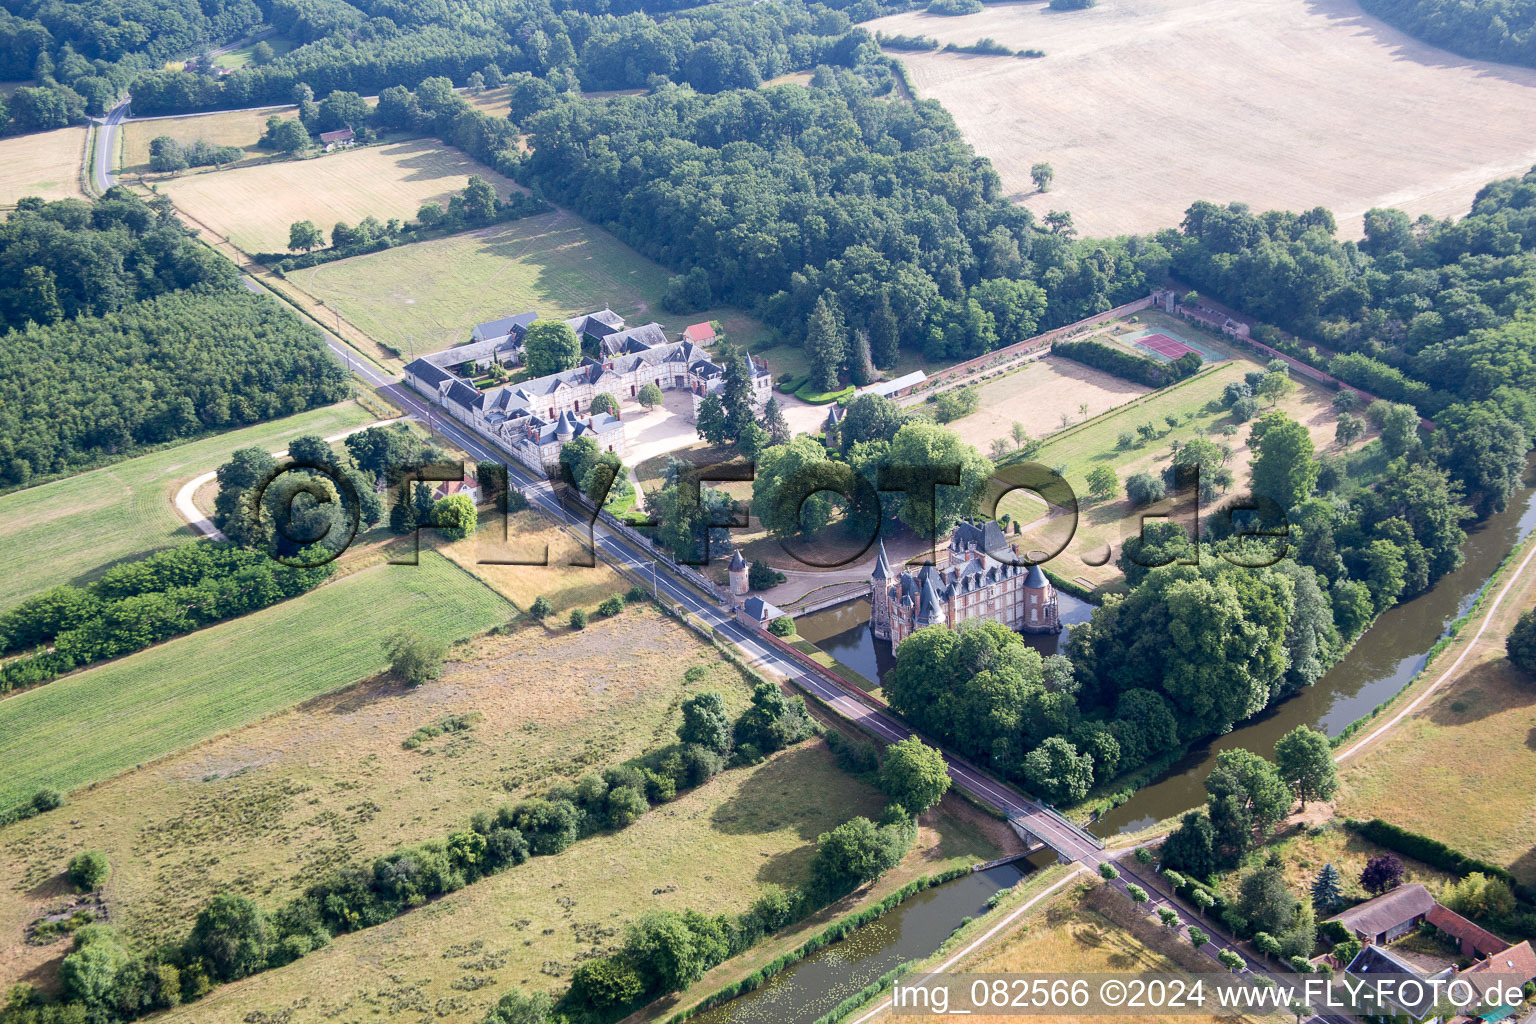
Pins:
x,y
140,603
1503,30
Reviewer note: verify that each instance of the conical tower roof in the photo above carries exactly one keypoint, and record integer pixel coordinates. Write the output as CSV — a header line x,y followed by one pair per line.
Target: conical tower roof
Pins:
x,y
737,562
882,564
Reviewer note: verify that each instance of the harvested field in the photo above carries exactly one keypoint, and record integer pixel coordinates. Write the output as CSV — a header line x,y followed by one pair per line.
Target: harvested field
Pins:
x,y
254,206
46,164
94,724
528,537
241,128
427,296
69,530
1144,108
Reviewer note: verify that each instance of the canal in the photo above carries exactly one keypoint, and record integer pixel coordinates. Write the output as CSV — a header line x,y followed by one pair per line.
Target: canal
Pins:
x,y
805,991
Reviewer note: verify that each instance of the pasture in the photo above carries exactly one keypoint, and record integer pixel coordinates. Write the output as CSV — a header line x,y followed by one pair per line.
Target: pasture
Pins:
x,y
1141,109
91,725
242,57
1426,773
254,206
241,128
69,530
427,296
46,164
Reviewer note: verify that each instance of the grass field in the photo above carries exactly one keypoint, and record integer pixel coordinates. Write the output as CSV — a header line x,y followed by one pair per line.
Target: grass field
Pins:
x,y
46,164
266,808
1038,396
254,206
1459,768
69,530
94,724
427,296
241,128
1144,108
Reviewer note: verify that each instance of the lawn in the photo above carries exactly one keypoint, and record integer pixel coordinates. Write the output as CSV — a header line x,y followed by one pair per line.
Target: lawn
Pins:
x,y
254,206
69,530
92,725
1459,768
427,296
241,128
46,164
241,57
1195,405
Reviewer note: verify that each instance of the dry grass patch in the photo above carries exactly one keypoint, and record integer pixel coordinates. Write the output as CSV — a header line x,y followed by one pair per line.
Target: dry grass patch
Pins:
x,y
530,537
1144,108
427,296
46,164
254,206
1084,929
267,809
1459,768
241,128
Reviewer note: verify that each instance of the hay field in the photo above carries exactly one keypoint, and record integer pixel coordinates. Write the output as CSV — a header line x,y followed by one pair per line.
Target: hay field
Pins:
x,y
91,725
527,537
1143,108
254,206
427,296
69,530
266,808
241,128
46,164
1459,768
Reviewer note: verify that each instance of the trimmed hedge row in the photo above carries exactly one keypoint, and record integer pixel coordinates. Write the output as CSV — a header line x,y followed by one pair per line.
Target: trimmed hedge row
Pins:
x,y
1137,369
1432,852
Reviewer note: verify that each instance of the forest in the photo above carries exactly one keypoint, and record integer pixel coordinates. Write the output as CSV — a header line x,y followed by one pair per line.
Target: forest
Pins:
x,y
123,331
1502,30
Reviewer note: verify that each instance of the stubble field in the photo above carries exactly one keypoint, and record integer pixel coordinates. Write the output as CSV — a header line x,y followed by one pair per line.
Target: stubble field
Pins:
x,y
46,164
254,206
1142,108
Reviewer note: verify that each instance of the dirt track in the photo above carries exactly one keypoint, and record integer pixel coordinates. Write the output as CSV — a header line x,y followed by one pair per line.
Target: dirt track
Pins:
x,y
1143,106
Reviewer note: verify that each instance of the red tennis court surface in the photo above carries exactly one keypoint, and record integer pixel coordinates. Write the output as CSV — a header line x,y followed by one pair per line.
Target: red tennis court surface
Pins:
x,y
1164,345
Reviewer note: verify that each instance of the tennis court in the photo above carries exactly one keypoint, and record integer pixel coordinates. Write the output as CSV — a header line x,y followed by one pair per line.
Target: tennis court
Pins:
x,y
1166,346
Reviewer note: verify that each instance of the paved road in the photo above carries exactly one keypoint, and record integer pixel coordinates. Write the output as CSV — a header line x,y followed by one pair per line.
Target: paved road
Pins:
x,y
102,177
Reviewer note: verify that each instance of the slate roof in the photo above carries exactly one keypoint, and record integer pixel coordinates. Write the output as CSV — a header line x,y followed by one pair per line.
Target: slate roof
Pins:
x,y
737,562
597,325
461,394
1388,910
882,564
430,373
507,325
759,610
1036,579
1376,960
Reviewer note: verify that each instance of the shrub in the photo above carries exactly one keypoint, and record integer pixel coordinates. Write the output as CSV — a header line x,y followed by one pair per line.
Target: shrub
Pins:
x,y
625,805
88,871
1521,644
762,576
578,618
636,594
782,626
611,606
413,658
540,608
231,936
1145,489
45,800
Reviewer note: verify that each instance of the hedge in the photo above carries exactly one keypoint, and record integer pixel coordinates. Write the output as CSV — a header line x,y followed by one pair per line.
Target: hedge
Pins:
x,y
806,393
1137,369
1431,851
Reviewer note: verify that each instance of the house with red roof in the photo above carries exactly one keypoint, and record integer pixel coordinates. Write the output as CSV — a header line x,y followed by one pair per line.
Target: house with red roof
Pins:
x,y
699,334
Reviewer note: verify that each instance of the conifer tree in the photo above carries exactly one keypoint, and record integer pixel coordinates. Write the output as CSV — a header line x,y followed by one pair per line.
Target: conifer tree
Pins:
x,y
883,335
825,344
1327,888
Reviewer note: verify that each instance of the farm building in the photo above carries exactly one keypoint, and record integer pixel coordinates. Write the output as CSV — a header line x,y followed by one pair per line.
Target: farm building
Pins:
x,y
1389,916
342,138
